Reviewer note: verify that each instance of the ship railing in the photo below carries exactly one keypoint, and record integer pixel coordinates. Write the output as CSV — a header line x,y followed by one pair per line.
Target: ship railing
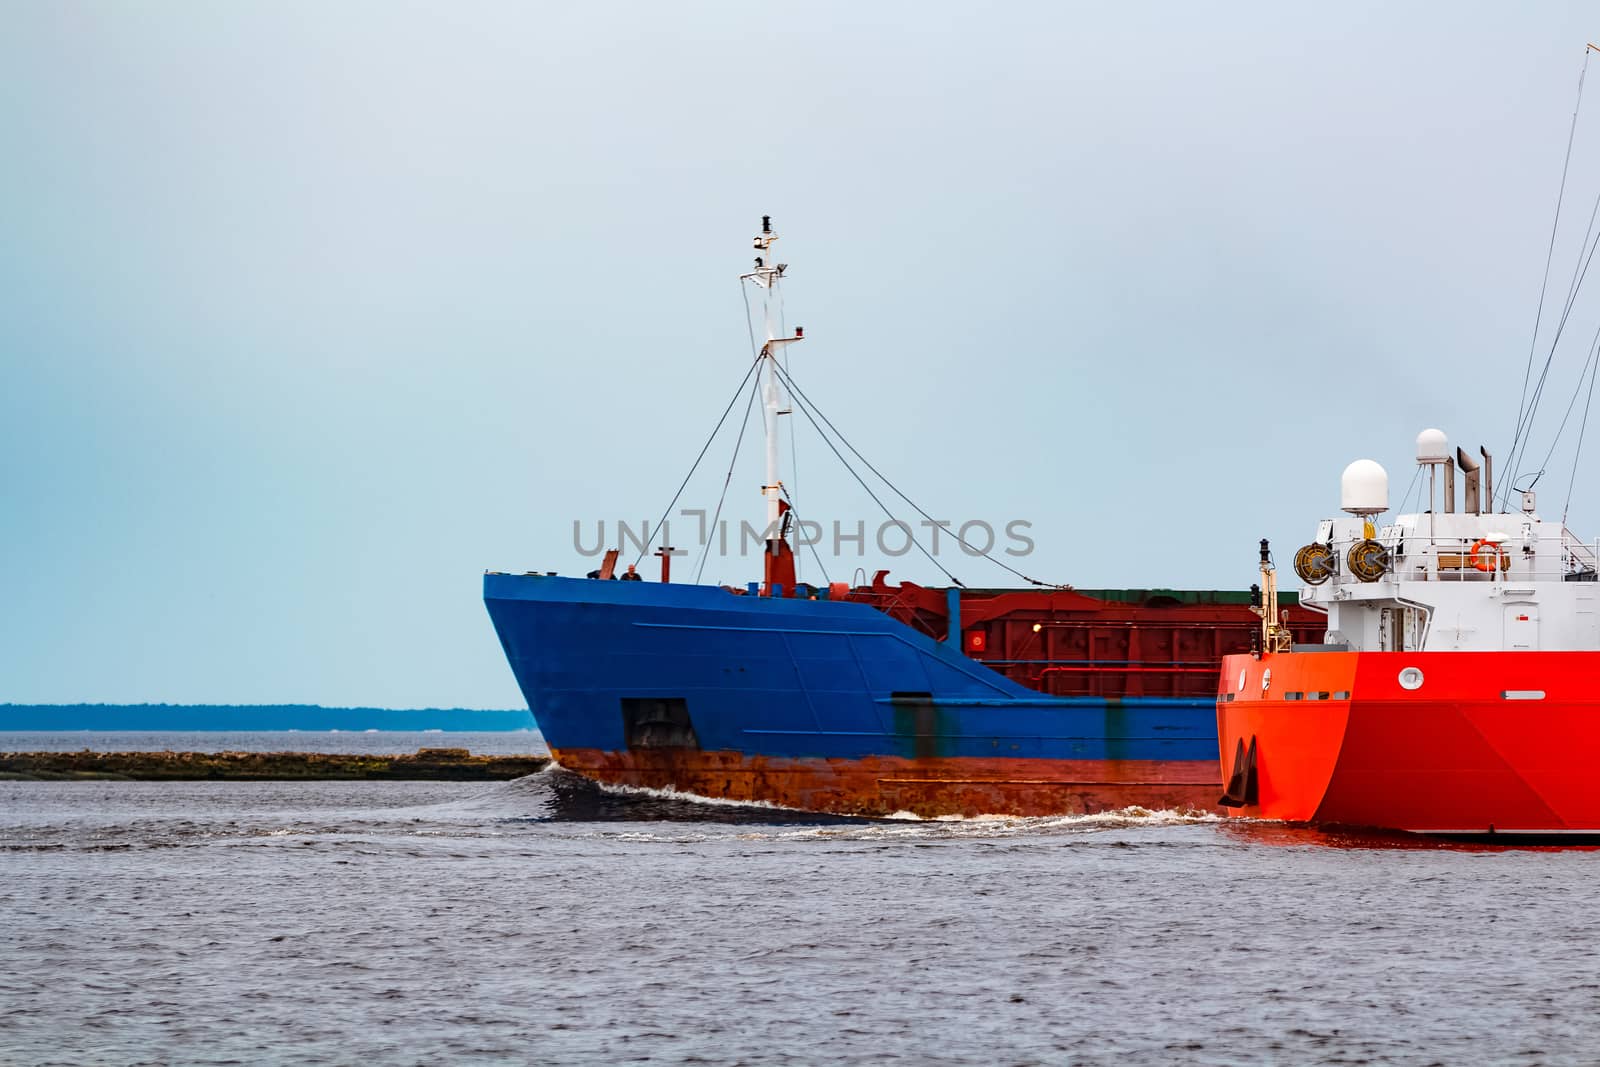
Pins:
x,y
1583,557
1450,559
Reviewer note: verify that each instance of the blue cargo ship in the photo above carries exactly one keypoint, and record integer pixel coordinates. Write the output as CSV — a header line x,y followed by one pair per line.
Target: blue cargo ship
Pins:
x,y
877,698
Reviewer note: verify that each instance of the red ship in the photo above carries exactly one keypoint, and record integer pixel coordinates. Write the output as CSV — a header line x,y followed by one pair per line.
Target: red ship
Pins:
x,y
1453,692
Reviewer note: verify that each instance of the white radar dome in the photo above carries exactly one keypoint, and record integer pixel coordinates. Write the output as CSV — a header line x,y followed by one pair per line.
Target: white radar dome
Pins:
x,y
1432,447
1364,488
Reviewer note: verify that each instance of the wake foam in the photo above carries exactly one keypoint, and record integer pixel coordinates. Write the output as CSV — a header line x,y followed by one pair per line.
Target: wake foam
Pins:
x,y
680,796
909,826
561,795
907,823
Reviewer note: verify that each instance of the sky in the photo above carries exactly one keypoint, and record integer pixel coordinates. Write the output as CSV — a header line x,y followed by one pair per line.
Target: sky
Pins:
x,y
310,314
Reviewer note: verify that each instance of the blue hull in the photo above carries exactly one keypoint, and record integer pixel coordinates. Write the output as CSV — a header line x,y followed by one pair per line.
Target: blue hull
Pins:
x,y
698,688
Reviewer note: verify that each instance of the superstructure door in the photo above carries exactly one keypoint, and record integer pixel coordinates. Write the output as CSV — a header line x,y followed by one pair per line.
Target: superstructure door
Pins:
x,y
1522,627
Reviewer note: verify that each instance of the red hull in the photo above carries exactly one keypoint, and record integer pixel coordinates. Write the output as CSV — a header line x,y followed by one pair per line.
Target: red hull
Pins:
x,y
1490,742
878,786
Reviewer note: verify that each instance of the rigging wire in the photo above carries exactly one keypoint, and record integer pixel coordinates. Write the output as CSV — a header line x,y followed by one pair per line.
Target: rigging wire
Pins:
x,y
1538,392
803,402
800,393
1533,342
1406,500
749,324
809,544
805,409
1544,465
696,465
1583,426
1572,286
705,552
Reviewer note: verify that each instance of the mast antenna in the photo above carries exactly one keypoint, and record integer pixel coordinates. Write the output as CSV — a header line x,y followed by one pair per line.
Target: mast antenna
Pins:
x,y
766,276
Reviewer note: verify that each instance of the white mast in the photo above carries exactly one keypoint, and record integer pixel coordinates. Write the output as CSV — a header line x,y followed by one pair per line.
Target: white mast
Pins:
x,y
766,277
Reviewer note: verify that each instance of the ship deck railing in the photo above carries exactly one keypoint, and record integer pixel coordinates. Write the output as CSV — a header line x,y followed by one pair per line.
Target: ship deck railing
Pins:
x,y
1449,559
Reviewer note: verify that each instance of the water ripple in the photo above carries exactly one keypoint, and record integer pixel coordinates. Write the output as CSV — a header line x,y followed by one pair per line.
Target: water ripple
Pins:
x,y
546,919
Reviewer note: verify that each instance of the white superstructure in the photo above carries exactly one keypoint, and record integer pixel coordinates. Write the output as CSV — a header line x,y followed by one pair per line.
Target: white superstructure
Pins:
x,y
1442,581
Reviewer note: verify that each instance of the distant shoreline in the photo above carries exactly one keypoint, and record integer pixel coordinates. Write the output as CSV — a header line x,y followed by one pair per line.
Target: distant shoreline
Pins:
x,y
121,718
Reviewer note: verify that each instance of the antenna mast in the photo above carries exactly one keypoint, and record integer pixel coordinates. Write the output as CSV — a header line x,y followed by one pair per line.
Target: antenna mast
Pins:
x,y
779,569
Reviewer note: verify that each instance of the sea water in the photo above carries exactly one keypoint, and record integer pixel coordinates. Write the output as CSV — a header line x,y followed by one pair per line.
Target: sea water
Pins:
x,y
548,920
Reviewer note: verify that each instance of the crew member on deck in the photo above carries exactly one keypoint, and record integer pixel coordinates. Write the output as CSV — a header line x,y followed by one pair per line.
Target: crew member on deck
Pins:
x,y
632,575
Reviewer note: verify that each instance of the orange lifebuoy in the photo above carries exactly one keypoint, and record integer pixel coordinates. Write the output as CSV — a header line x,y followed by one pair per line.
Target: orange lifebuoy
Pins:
x,y
1486,561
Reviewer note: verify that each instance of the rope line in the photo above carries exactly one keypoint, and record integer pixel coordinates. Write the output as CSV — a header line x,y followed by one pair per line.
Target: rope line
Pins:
x,y
1406,500
696,465
750,327
805,409
812,414
705,551
882,506
797,391
1561,192
1578,389
1583,426
1544,465
810,544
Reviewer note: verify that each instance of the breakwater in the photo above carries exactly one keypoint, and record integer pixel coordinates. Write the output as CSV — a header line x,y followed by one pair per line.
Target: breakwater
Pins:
x,y
427,764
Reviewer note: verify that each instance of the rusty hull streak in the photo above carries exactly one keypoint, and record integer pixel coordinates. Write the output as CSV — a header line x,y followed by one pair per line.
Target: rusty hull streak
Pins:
x,y
884,785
